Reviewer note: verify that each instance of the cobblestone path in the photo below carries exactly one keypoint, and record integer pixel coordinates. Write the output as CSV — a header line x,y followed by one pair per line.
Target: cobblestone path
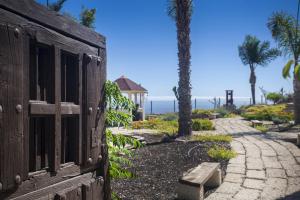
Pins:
x,y
264,168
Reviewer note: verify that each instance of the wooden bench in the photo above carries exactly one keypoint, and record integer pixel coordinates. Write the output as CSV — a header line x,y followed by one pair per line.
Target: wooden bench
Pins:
x,y
256,123
191,184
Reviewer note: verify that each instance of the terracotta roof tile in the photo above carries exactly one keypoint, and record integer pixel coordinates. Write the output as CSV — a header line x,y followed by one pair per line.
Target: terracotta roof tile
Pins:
x,y
125,84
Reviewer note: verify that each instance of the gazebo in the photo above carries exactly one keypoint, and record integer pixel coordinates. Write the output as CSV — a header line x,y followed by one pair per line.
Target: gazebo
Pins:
x,y
134,92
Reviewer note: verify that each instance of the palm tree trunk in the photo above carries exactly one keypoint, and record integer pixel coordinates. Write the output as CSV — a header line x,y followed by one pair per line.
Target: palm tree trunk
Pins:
x,y
296,98
184,87
252,83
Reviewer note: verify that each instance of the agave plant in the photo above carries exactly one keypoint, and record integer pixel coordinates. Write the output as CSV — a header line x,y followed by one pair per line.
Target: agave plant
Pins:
x,y
286,32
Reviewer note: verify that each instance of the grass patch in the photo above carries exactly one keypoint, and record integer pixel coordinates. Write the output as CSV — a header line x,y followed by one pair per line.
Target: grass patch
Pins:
x,y
221,153
202,125
267,112
261,128
212,138
170,127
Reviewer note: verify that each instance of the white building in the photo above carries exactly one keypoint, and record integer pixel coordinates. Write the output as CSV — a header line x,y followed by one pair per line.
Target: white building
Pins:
x,y
134,92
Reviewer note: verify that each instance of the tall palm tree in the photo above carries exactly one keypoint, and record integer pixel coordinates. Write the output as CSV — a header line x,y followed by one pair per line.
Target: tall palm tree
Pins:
x,y
255,53
181,12
286,33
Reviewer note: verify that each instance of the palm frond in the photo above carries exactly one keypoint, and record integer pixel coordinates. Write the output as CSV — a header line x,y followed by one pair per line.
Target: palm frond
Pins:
x,y
172,8
286,70
57,6
284,30
297,71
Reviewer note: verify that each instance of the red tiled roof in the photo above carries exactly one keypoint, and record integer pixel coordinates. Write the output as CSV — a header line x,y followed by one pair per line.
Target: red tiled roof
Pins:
x,y
126,84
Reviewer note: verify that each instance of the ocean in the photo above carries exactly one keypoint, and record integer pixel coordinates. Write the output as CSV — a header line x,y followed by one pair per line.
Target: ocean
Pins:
x,y
167,106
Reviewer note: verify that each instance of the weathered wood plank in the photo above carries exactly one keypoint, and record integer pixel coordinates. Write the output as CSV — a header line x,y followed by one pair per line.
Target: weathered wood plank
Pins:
x,y
69,108
41,108
56,137
200,174
41,15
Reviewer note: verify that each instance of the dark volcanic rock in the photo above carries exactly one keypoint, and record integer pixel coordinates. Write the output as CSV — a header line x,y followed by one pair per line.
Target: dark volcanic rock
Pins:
x,y
158,168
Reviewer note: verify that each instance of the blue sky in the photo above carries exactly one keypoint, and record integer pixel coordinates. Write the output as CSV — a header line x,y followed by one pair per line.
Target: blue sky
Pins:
x,y
141,43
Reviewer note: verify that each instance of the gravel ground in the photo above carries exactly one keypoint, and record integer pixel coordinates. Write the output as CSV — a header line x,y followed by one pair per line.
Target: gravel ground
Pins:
x,y
158,168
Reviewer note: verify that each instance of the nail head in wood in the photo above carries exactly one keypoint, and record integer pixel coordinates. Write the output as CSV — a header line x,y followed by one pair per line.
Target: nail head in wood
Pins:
x,y
1,187
101,181
17,32
90,110
18,179
90,160
19,108
1,109
99,158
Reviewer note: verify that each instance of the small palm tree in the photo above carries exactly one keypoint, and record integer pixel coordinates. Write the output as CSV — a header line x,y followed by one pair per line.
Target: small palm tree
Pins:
x,y
285,31
181,12
255,53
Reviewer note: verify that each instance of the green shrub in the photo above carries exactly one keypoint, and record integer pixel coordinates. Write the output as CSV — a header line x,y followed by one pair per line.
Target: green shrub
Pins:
x,y
202,125
221,153
222,111
201,114
169,117
212,138
275,97
266,112
261,128
170,127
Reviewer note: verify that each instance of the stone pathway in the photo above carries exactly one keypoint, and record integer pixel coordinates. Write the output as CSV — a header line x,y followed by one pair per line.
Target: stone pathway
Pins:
x,y
264,169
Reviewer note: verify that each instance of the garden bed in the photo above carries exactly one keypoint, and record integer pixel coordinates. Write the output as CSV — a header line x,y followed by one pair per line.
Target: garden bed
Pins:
x,y
158,167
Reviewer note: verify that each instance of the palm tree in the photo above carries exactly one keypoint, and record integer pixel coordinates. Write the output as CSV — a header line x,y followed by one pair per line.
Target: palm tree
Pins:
x,y
181,12
253,52
285,31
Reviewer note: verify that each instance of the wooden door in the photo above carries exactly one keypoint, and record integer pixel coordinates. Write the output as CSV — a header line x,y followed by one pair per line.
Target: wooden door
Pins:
x,y
91,97
11,107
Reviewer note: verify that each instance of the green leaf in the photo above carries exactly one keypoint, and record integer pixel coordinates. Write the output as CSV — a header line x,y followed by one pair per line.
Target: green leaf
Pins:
x,y
297,71
286,69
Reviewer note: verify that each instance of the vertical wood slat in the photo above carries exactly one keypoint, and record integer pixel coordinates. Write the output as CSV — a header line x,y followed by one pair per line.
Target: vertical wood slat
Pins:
x,y
91,97
26,97
56,135
78,151
3,103
11,82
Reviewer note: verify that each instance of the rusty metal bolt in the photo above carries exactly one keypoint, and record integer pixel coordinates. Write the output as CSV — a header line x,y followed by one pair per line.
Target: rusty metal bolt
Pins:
x,y
90,110
1,187
19,108
18,179
99,158
1,109
17,32
90,161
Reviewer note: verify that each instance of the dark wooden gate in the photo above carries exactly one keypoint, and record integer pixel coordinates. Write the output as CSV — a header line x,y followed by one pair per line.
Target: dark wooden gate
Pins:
x,y
52,75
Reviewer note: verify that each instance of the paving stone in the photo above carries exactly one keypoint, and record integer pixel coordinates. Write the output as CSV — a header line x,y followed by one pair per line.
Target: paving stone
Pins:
x,y
276,183
271,162
247,194
290,164
268,152
236,170
275,173
254,184
293,173
240,159
270,193
234,178
219,196
229,188
298,159
256,174
255,165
